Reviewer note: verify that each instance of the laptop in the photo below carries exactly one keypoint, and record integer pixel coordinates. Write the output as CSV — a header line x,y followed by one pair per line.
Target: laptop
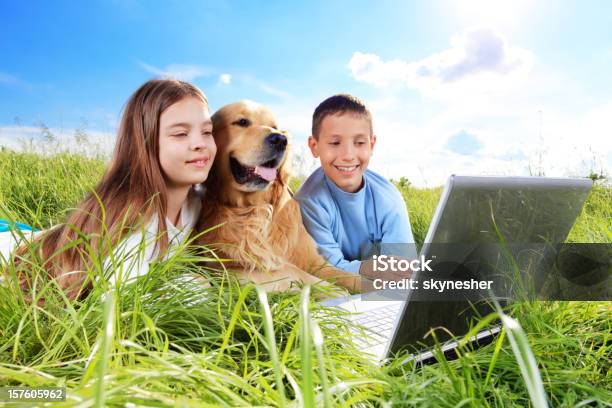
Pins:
x,y
473,211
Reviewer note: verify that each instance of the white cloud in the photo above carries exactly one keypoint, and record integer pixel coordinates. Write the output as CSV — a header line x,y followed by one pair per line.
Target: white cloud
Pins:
x,y
479,60
576,144
185,72
493,91
569,146
225,79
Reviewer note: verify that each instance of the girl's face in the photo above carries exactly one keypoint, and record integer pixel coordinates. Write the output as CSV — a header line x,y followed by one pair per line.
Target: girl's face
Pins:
x,y
186,144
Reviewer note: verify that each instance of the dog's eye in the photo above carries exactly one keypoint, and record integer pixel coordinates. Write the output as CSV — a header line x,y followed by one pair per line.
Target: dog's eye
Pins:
x,y
243,122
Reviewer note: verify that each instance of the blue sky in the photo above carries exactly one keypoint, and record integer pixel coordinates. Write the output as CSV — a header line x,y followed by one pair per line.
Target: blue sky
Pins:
x,y
455,86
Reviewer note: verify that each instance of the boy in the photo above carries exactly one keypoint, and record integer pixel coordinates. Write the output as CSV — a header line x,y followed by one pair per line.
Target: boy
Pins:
x,y
346,207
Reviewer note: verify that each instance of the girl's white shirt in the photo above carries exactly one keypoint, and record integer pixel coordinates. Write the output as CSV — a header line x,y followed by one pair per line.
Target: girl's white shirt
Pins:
x,y
10,240
133,255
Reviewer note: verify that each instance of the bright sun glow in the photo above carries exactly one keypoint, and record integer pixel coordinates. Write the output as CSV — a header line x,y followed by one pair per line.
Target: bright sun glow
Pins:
x,y
502,13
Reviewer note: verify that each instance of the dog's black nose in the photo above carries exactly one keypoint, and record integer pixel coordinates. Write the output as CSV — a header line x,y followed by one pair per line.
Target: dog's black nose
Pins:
x,y
277,141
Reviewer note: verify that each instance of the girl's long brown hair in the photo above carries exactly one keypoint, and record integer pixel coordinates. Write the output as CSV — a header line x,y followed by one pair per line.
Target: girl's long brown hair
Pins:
x,y
132,190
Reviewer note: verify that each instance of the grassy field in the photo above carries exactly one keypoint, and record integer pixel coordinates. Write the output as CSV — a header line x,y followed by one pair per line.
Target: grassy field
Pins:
x,y
167,341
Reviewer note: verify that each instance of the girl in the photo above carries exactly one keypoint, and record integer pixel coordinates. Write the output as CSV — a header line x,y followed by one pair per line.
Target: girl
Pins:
x,y
164,146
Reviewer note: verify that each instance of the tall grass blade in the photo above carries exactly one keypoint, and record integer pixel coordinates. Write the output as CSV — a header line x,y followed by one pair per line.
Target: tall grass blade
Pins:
x,y
526,361
105,352
305,347
317,339
269,328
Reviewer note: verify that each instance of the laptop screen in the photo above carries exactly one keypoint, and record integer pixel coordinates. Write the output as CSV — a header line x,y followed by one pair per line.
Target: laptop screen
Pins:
x,y
484,212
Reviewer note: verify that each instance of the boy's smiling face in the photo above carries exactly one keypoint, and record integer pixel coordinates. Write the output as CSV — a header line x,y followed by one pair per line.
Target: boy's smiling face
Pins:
x,y
344,146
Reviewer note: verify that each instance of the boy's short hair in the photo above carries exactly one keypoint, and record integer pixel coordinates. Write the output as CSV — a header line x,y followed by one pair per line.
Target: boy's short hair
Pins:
x,y
338,105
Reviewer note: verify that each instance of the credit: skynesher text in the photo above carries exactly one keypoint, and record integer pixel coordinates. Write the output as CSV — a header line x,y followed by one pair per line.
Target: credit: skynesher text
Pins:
x,y
432,284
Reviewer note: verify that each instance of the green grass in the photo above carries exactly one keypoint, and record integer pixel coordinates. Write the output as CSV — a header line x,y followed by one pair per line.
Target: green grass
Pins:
x,y
167,340
40,190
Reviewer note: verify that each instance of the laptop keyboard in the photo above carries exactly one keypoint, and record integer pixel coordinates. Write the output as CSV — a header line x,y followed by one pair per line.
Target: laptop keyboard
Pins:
x,y
377,325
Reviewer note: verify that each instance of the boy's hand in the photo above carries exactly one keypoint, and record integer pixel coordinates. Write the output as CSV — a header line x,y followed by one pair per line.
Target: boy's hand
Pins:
x,y
348,280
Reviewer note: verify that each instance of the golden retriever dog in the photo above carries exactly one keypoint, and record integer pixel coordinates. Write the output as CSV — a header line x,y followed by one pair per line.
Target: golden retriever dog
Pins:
x,y
261,227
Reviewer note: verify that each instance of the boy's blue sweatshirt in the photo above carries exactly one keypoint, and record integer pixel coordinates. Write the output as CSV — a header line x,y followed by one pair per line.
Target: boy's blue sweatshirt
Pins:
x,y
343,224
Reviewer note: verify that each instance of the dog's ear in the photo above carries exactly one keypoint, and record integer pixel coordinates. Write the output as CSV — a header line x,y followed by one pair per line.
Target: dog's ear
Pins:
x,y
213,182
217,118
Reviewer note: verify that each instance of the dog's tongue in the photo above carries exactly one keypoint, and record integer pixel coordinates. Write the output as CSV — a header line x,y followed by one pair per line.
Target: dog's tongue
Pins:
x,y
266,173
